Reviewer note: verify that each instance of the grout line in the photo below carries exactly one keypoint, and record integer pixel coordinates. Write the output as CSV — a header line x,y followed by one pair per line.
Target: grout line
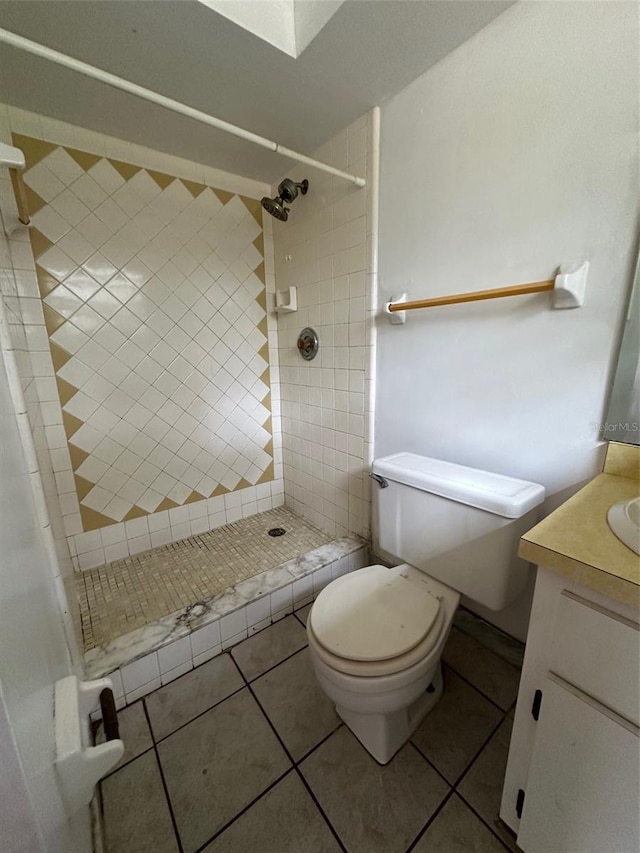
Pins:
x,y
275,665
310,752
429,762
319,807
478,690
431,820
479,752
244,810
304,624
175,681
197,717
164,785
130,761
295,765
454,785
485,822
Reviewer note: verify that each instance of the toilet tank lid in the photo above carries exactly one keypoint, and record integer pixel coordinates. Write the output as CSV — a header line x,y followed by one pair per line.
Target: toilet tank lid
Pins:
x,y
494,493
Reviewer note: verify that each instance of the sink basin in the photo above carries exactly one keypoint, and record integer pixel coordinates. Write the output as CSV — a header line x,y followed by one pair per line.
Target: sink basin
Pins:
x,y
624,521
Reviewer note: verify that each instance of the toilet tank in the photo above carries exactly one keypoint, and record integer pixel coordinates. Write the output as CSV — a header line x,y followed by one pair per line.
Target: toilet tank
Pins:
x,y
457,524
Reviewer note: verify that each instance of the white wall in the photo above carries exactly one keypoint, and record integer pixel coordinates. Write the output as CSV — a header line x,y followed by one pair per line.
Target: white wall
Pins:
x,y
516,153
33,655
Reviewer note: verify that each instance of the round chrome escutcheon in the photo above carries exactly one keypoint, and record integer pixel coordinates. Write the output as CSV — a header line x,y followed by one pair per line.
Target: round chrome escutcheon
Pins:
x,y
308,344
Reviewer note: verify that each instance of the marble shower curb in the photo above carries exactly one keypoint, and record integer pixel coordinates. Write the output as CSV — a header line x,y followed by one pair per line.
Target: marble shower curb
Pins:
x,y
145,659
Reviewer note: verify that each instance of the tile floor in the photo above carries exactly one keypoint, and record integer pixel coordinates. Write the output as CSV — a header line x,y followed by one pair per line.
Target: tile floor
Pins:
x,y
246,755
136,591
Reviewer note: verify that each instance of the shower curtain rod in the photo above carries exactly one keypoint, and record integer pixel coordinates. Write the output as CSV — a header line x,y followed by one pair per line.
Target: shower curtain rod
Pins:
x,y
168,103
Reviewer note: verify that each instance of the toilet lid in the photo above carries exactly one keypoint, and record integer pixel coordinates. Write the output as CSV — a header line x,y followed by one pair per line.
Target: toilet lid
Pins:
x,y
373,614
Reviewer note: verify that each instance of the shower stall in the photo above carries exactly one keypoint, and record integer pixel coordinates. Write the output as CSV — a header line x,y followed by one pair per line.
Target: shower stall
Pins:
x,y
173,424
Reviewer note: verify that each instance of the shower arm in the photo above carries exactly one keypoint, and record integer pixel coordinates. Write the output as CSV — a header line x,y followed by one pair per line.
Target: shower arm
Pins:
x,y
40,50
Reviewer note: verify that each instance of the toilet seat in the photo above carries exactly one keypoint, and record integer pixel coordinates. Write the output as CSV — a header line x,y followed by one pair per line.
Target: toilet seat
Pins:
x,y
375,621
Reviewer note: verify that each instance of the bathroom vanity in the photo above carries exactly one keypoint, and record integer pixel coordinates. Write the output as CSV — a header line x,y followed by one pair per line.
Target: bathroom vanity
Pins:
x,y
572,776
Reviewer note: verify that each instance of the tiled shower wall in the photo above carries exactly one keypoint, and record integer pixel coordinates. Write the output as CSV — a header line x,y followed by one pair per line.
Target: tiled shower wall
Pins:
x,y
144,311
18,342
327,249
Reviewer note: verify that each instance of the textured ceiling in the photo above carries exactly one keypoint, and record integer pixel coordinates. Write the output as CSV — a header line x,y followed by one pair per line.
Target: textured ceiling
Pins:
x,y
368,51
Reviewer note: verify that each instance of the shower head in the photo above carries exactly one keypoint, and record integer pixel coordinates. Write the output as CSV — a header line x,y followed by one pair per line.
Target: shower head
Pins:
x,y
287,193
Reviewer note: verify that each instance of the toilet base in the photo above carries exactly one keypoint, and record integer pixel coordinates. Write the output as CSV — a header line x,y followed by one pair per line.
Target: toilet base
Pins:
x,y
382,735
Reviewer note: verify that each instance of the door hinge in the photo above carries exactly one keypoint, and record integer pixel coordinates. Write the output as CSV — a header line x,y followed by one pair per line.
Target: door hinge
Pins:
x,y
537,702
519,802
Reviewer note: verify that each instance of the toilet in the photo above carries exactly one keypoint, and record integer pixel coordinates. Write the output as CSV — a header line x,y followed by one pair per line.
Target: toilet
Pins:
x,y
376,635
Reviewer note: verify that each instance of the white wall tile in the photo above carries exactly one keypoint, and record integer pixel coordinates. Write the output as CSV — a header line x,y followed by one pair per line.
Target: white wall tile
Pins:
x,y
234,640
321,578
282,601
139,673
329,264
203,657
233,624
258,611
143,690
172,674
174,654
144,261
206,638
302,591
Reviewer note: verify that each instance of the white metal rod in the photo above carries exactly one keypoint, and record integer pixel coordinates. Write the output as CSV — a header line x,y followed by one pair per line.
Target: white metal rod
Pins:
x,y
309,161
168,103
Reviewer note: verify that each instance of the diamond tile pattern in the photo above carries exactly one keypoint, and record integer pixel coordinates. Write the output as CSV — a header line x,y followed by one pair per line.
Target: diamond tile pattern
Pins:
x,y
159,311
265,766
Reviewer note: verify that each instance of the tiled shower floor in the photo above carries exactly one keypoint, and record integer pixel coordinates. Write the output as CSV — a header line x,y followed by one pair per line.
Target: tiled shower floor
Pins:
x,y
127,594
245,754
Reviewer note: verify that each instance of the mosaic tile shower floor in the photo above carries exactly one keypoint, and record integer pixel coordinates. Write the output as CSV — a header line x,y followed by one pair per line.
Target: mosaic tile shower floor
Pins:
x,y
127,594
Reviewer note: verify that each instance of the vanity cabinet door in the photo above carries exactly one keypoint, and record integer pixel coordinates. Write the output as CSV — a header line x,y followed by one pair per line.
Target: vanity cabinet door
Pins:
x,y
582,790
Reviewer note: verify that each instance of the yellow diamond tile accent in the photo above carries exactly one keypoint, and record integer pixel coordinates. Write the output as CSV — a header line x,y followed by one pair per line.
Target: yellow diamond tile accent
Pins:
x,y
194,188
135,512
71,426
65,391
160,178
166,504
52,320
82,158
259,243
268,475
59,356
77,456
147,323
34,150
34,202
46,282
39,243
92,520
83,487
223,195
254,207
125,170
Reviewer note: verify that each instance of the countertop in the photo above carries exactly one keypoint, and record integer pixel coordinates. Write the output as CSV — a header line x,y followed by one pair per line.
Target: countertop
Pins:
x,y
576,541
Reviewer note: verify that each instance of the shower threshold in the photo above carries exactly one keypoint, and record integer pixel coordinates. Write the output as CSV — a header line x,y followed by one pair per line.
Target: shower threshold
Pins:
x,y
143,603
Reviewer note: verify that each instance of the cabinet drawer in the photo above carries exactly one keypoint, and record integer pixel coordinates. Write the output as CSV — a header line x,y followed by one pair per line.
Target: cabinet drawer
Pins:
x,y
599,652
